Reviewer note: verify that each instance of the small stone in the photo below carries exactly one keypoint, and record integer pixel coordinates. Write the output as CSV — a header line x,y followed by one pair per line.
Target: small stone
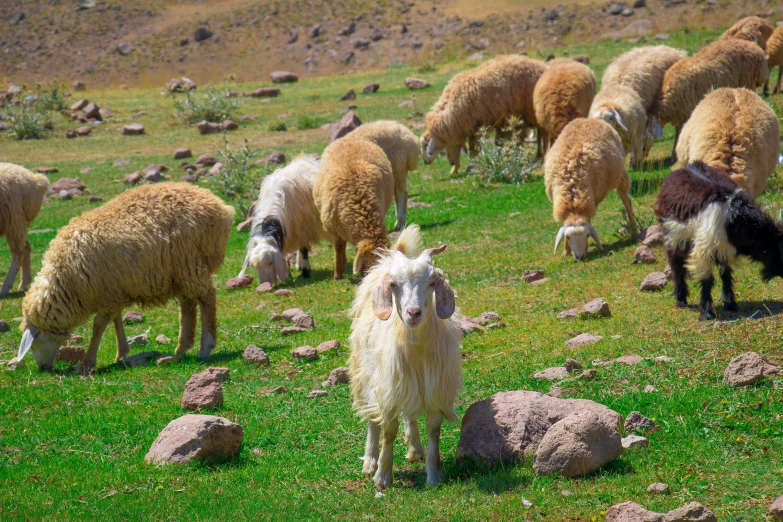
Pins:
x,y
552,374
468,325
596,308
776,509
487,318
206,160
571,313
661,36
85,170
132,317
634,441
346,124
633,512
305,321
745,370
340,375
91,110
653,236
627,12
133,129
658,488
273,391
582,340
305,353
649,388
654,281
629,359
289,314
616,9
84,131
64,194
283,292
4,326
71,354
276,317
182,153
201,34
328,346
141,359
230,125
152,176
532,275
70,134
416,83
239,282
167,360
373,87
406,103
264,287
121,162
283,77
315,393
199,437
572,365
350,95
133,178
290,330
79,105
208,127
255,355
162,339
268,92
215,169
644,255
540,281
635,421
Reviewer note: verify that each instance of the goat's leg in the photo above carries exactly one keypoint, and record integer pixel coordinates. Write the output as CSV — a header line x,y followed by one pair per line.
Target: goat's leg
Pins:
x,y
11,276
434,473
340,261
208,305
400,206
303,261
677,264
413,440
383,476
371,449
123,349
187,325
453,154
727,290
98,327
706,308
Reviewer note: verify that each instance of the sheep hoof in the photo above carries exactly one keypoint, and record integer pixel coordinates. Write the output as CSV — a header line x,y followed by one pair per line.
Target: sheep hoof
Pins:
x,y
86,367
415,455
682,303
435,478
382,480
306,272
370,466
730,306
707,316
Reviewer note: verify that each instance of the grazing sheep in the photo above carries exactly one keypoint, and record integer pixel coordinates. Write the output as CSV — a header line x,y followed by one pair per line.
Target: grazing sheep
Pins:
x,y
751,29
734,130
486,96
405,363
285,220
585,163
352,191
21,196
564,92
146,246
775,54
402,148
724,63
623,109
708,220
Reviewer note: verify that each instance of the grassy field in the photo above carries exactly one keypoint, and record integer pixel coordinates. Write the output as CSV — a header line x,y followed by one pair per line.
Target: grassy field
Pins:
x,y
72,448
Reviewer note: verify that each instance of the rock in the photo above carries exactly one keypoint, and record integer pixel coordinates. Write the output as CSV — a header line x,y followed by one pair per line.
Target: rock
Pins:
x,y
79,105
71,354
596,308
649,388
133,178
72,186
200,437
215,169
635,421
540,281
305,321
776,509
46,170
230,125
201,34
552,374
70,134
283,77
350,95
315,393
633,512
91,110
644,255
64,195
616,9
276,158
361,43
328,346
658,488
239,282
290,330
406,103
132,317
78,86
283,292
587,375
133,129
4,326
121,162
571,313
305,353
346,124
255,355
635,441
532,275
572,365
84,131
206,160
771,369
85,170
654,236
745,370
293,35
208,127
142,358
187,84
661,36
15,17
269,92
487,318
509,425
167,360
551,15
582,340
476,57
628,11
204,390
654,281
373,87
290,313
638,4
468,325
416,83
577,445
162,339
124,48
630,360
152,176
692,512
316,31
340,375
264,287
182,152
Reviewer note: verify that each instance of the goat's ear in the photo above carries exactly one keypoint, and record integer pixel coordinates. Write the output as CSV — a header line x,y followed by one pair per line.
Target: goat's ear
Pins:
x,y
382,299
281,267
444,299
27,341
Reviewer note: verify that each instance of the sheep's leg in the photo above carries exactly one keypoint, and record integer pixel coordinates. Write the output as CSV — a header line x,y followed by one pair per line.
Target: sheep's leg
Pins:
x,y
453,154
777,86
27,269
434,473
371,449
208,305
766,87
99,325
123,349
706,308
727,291
11,277
473,146
340,261
413,440
676,139
623,190
677,265
401,204
383,476
187,325
303,261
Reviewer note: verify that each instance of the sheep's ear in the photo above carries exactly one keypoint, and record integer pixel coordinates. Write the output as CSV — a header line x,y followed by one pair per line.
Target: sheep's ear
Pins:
x,y
559,238
432,146
594,235
27,341
444,299
281,267
382,299
619,120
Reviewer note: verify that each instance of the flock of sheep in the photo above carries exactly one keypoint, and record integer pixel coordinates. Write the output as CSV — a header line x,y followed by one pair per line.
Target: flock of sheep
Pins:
x,y
165,241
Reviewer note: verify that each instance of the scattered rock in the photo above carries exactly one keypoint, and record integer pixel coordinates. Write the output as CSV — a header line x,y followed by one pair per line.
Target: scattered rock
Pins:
x,y
644,255
340,375
596,308
468,325
653,236
162,339
552,374
274,391
305,321
283,77
572,365
201,34
204,390
315,393
635,441
124,48
487,318
91,110
4,326
661,36
283,292
290,313
305,353
277,157
133,129
649,388
616,9
83,131
532,275
94,199
269,92
132,317
327,346
582,340
167,360
70,134
350,95
629,359
152,176
745,370
230,125
373,87
71,354
633,512
200,437
72,186
239,282
658,488
208,127
133,178
290,330
15,17
416,83
654,281
121,162
628,11
215,169
406,103
776,509
255,355
571,313
206,160
264,287
346,124
79,105
636,422
142,358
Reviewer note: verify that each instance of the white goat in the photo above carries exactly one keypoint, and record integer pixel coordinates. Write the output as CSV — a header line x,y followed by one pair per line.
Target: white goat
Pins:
x,y
406,363
284,220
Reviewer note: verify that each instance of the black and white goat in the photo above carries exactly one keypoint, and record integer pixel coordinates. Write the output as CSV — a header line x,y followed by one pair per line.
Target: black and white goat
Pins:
x,y
708,220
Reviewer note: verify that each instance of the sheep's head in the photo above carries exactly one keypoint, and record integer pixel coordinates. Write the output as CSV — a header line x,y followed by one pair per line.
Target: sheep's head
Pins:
x,y
576,239
610,116
772,258
430,147
367,255
411,284
44,346
265,257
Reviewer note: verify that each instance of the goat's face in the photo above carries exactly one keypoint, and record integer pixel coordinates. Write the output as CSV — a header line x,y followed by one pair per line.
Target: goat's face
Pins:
x,y
265,257
430,147
576,239
772,260
413,282
43,345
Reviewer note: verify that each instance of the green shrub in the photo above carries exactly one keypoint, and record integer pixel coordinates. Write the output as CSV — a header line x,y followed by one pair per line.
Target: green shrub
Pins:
x,y
512,161
30,123
276,126
51,97
427,67
234,182
210,105
305,122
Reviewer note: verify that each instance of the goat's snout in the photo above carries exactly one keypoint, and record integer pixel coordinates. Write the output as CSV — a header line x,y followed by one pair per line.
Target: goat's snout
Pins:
x,y
413,314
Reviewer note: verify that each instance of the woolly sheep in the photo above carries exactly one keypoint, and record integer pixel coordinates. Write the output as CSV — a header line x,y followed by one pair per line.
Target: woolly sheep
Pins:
x,y
285,220
751,29
146,246
724,63
487,96
352,191
734,130
402,148
564,92
585,163
21,196
775,54
623,109
405,363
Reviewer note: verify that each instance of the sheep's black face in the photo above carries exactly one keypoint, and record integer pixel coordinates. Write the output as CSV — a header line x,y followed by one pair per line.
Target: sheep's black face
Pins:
x,y
772,260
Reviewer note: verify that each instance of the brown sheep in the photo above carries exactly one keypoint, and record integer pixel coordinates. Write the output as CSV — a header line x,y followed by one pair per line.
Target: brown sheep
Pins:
x,y
775,54
752,29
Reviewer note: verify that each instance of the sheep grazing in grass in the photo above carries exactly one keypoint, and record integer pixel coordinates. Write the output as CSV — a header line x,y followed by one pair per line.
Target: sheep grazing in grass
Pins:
x,y
487,96
751,29
708,220
586,162
775,54
622,108
724,63
21,196
405,358
285,220
353,191
402,148
564,92
146,246
734,130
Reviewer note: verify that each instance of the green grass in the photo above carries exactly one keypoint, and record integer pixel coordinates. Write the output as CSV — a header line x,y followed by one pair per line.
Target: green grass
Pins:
x,y
73,448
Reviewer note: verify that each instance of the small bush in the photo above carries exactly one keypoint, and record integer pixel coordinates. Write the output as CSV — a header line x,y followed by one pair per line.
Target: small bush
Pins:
x,y
51,97
234,181
30,123
427,67
305,122
211,105
510,162
277,126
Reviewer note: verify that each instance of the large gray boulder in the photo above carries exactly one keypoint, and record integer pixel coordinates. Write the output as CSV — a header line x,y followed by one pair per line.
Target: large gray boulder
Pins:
x,y
200,437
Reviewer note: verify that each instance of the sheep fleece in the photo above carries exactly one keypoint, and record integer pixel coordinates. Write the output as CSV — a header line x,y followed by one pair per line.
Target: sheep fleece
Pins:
x,y
21,196
564,92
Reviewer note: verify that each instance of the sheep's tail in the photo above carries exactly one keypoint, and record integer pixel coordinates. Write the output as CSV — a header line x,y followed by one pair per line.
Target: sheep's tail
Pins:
x,y
409,242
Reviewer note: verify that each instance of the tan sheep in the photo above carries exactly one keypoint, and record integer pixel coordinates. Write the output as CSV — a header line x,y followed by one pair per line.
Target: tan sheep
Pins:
x,y
21,196
775,54
623,109
586,162
734,130
146,246
402,148
564,92
724,63
353,191
752,29
486,96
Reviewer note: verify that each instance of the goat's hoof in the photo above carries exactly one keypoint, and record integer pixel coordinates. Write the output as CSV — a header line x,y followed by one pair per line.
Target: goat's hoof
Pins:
x,y
731,306
433,479
706,316
306,272
382,480
86,368
682,304
415,455
370,466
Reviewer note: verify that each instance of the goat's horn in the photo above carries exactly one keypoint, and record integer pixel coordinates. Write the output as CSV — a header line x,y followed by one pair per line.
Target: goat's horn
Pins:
x,y
429,252
559,237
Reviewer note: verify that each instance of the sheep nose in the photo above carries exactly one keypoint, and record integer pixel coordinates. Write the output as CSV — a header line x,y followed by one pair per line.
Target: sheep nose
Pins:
x,y
414,312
